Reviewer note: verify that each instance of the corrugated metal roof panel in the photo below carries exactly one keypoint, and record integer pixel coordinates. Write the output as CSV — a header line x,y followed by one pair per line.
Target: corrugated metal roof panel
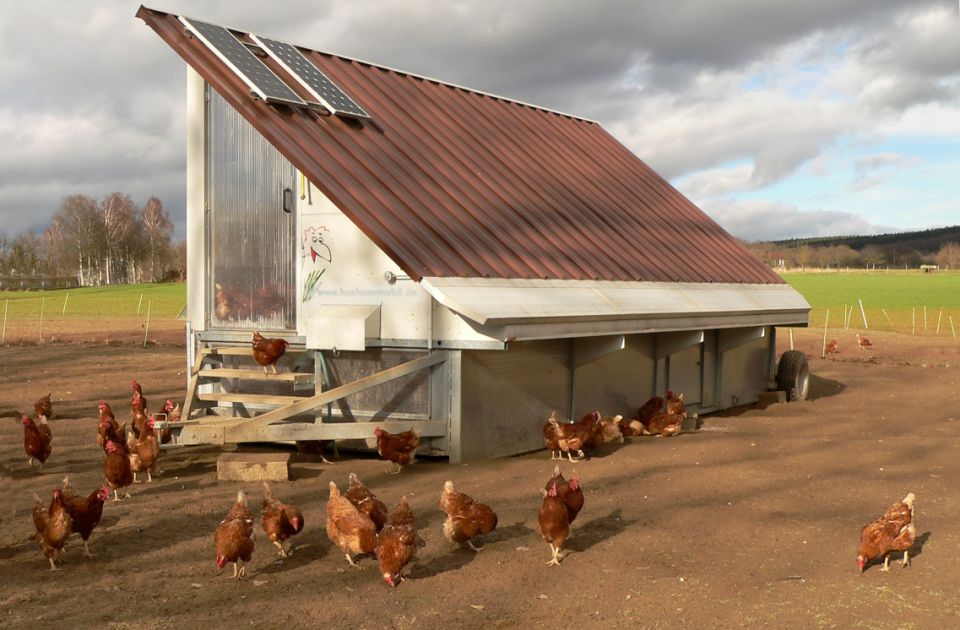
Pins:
x,y
455,183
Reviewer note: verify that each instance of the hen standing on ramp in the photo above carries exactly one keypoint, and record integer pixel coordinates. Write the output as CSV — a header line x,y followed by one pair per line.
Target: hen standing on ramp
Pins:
x,y
268,351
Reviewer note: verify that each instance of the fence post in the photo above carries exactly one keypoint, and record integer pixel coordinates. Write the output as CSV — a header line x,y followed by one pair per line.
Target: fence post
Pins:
x,y
826,320
950,317
147,331
863,314
65,300
939,317
3,335
892,327
140,303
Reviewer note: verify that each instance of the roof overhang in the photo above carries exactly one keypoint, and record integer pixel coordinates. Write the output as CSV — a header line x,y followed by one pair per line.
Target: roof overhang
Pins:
x,y
537,309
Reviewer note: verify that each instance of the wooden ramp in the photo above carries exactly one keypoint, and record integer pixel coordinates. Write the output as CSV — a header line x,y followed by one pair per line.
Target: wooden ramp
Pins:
x,y
265,417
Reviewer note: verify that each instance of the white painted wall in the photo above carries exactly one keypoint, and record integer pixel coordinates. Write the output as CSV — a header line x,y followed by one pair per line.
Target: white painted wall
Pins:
x,y
339,265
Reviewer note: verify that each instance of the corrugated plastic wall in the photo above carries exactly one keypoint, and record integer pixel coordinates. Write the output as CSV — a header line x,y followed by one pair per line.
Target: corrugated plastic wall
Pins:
x,y
251,238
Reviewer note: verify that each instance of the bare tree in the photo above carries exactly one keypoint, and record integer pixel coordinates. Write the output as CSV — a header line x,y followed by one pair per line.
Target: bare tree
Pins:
x,y
56,247
181,260
82,228
873,255
949,256
24,257
118,214
5,244
803,256
158,227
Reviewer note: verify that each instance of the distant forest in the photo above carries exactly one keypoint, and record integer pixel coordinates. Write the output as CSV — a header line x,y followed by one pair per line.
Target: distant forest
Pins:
x,y
91,242
900,250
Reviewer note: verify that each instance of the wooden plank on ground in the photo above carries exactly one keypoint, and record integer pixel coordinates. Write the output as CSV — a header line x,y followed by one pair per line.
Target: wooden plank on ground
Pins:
x,y
307,405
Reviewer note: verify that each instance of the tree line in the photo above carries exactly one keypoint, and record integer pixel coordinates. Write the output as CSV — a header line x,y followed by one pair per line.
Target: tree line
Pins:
x,y
111,241
892,256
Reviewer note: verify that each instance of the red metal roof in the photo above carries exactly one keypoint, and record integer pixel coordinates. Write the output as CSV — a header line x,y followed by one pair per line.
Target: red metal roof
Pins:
x,y
451,182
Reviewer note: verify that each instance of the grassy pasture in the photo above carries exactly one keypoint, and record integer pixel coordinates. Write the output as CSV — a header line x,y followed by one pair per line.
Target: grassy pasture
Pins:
x,y
94,311
902,294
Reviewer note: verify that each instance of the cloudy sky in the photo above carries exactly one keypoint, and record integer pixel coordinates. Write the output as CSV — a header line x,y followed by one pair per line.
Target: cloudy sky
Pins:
x,y
779,118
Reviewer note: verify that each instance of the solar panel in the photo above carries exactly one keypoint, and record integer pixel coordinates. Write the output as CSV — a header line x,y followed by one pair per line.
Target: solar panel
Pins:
x,y
261,79
320,87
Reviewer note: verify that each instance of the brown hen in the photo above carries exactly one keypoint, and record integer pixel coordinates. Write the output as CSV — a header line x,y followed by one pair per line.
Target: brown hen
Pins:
x,y
279,520
367,502
85,511
893,531
235,537
266,351
568,492
554,523
37,441
44,407
53,525
465,517
349,529
116,468
399,448
397,543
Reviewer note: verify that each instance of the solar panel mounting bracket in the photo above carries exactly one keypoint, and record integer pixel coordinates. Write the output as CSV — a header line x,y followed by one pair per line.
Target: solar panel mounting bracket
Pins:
x,y
289,97
351,109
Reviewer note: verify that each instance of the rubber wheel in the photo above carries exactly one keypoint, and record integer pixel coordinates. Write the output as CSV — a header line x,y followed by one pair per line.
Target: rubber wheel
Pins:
x,y
793,375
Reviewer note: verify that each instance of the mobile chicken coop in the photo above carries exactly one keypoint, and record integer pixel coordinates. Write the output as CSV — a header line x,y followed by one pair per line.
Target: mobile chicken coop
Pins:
x,y
439,258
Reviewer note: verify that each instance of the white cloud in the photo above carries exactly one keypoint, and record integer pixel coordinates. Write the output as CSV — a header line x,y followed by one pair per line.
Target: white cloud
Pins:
x,y
755,220
725,97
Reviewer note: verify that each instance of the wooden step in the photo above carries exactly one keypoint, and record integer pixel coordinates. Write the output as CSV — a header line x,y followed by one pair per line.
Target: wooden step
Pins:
x,y
258,399
254,375
238,351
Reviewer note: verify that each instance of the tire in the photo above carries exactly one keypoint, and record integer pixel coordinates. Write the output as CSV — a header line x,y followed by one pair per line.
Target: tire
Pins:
x,y
793,375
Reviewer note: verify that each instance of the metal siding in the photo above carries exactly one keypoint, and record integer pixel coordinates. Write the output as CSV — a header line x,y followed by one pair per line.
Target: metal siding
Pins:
x,y
454,183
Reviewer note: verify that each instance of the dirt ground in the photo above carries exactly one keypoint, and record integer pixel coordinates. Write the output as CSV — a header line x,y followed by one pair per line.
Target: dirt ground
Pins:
x,y
751,522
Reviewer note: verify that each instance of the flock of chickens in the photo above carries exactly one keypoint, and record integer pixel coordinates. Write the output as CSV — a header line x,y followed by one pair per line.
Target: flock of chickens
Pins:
x,y
661,417
358,522
833,346
126,453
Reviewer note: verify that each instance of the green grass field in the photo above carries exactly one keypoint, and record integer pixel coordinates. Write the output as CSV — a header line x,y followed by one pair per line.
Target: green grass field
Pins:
x,y
41,314
902,295
164,301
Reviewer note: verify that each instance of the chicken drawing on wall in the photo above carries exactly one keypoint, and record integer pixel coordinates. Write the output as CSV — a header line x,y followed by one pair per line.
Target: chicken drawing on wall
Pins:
x,y
315,256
